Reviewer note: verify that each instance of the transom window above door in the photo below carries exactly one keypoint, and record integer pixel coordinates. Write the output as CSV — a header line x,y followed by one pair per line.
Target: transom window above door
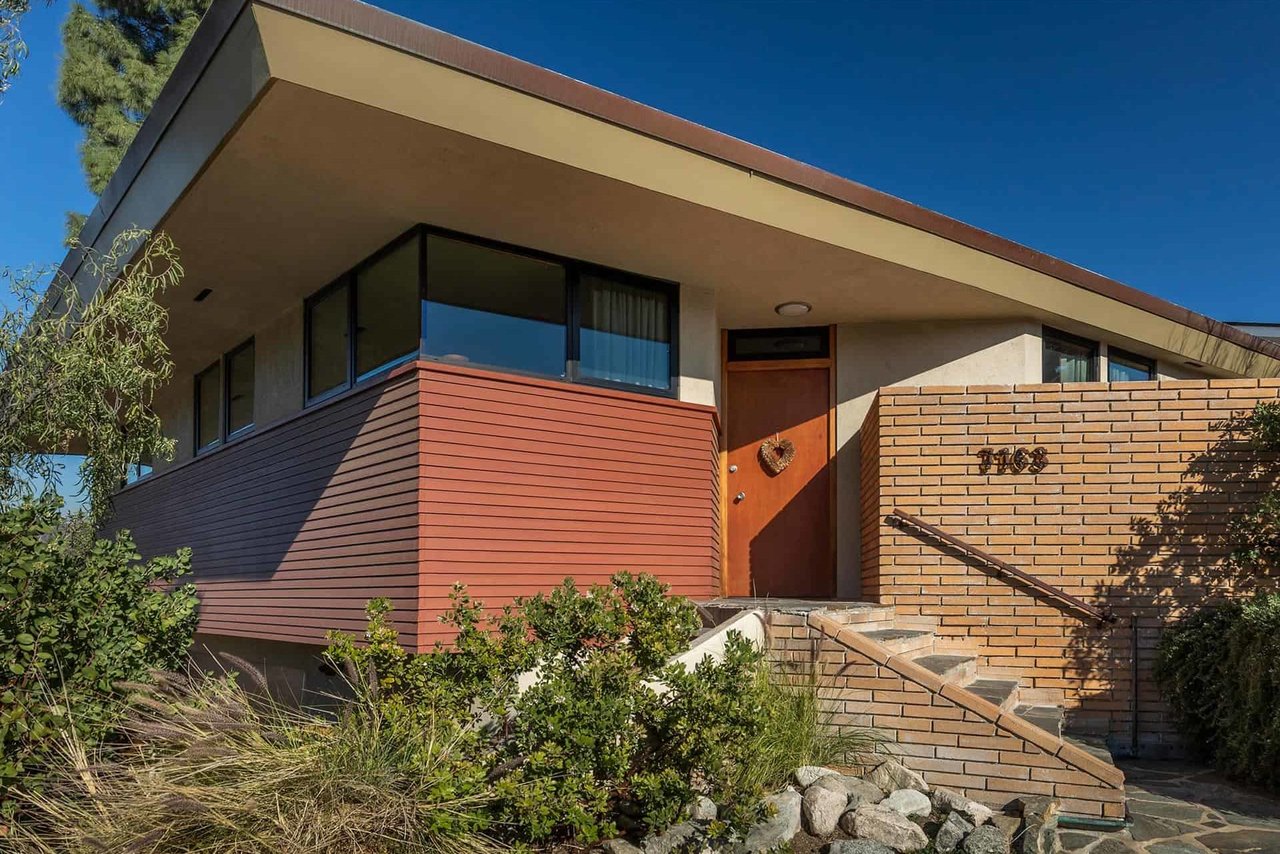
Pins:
x,y
466,301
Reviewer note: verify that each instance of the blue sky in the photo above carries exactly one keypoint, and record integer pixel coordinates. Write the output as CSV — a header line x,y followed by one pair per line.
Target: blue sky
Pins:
x,y
1141,140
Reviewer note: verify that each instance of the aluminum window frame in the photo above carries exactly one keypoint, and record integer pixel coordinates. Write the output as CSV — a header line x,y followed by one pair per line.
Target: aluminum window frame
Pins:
x,y
573,268
1095,352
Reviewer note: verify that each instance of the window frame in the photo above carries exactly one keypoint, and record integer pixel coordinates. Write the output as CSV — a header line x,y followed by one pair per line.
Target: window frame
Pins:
x,y
821,333
345,280
1095,352
1134,360
198,448
573,316
227,433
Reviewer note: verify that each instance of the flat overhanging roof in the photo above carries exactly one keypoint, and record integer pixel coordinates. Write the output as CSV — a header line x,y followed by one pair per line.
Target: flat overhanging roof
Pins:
x,y
296,136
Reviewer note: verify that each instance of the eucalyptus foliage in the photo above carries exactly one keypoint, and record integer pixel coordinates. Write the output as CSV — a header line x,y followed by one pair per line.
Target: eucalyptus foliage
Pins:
x,y
12,48
80,374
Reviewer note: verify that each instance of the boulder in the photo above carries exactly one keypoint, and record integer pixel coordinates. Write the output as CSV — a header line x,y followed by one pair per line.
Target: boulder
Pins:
x,y
619,846
909,802
1039,833
1008,824
821,808
893,775
703,809
857,846
674,838
888,826
857,790
987,839
948,801
951,834
779,828
806,775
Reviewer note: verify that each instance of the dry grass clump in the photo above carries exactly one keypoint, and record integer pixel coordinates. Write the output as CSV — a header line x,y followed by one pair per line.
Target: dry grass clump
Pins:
x,y
205,766
800,729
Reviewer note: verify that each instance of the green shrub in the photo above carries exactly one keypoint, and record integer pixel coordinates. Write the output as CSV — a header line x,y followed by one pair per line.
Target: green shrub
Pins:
x,y
209,767
609,735
1262,426
1219,669
77,615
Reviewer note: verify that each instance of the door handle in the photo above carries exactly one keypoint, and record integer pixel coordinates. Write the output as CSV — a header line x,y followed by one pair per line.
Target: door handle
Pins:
x,y
739,496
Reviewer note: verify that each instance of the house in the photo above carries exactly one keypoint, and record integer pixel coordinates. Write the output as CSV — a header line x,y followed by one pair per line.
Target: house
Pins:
x,y
450,317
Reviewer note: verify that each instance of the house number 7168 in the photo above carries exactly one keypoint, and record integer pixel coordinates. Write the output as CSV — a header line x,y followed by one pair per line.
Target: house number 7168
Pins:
x,y
1012,460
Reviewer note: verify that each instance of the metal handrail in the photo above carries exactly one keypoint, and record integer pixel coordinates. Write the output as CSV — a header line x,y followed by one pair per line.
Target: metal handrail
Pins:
x,y
1004,568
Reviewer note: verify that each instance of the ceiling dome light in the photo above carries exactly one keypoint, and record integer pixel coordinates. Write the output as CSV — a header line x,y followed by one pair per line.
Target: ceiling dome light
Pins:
x,y
792,309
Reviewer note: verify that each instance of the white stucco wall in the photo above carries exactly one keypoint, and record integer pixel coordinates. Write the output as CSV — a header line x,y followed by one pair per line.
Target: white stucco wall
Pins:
x,y
699,346
871,356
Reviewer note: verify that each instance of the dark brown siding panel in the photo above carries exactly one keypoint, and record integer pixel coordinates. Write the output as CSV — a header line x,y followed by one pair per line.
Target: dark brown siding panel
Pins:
x,y
526,482
293,529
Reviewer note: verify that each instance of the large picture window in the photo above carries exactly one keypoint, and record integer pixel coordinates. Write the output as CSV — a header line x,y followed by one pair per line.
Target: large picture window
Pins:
x,y
386,293
328,341
366,321
1069,358
468,301
496,308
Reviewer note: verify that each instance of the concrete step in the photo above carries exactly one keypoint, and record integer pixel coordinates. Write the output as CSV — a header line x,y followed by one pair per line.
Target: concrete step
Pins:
x,y
899,640
952,668
1093,745
1048,718
1001,692
865,619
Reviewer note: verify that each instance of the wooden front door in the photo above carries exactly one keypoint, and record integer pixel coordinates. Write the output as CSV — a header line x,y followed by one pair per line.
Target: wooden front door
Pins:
x,y
779,537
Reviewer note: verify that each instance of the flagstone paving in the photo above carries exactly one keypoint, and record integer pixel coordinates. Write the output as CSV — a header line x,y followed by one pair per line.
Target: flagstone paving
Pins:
x,y
1176,808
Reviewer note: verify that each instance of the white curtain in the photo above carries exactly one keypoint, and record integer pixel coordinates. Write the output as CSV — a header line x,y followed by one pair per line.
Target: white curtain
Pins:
x,y
625,333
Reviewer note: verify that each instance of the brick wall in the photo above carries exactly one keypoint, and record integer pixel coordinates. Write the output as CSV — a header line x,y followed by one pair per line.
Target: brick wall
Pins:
x,y
954,739
1129,513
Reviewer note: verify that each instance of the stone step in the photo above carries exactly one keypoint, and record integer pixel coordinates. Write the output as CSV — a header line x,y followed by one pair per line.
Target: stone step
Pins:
x,y
900,640
1048,718
952,668
1000,692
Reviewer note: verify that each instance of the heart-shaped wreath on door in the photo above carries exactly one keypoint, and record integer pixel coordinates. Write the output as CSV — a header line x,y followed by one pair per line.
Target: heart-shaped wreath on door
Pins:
x,y
776,454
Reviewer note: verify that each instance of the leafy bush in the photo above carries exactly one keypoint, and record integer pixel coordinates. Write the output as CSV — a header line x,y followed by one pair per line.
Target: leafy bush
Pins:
x,y
1219,669
608,735
1262,426
209,767
76,616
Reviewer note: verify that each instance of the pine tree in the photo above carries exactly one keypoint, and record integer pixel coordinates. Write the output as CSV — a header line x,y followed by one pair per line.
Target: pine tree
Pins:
x,y
115,62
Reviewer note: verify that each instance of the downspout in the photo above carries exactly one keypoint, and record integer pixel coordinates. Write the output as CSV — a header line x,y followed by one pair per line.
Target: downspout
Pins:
x,y
1133,686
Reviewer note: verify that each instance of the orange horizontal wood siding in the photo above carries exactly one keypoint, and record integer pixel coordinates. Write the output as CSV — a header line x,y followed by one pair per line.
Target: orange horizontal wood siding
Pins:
x,y
527,481
292,529
437,474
